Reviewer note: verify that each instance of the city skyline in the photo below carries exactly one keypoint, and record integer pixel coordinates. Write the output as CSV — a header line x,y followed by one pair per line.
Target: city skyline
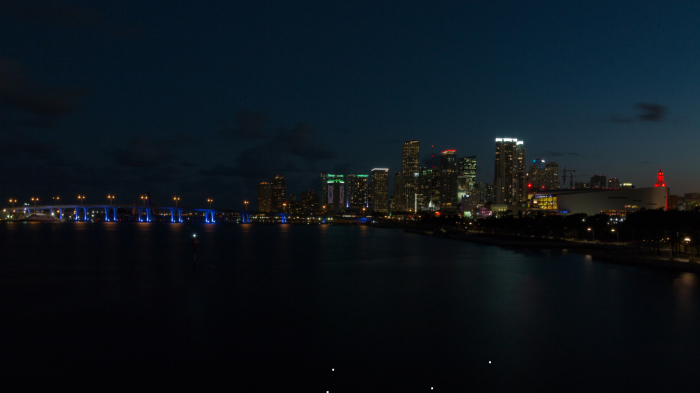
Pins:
x,y
126,98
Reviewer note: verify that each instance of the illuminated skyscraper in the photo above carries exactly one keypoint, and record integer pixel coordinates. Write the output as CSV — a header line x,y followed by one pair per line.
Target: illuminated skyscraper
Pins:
x,y
399,201
380,190
410,172
334,193
448,179
466,176
310,202
279,190
358,192
509,176
551,176
429,189
598,181
614,182
265,197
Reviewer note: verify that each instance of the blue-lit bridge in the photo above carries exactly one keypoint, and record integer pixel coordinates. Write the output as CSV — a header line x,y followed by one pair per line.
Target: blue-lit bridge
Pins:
x,y
141,213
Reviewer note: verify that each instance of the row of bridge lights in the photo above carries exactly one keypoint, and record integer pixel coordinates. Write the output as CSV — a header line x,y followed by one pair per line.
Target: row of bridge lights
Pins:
x,y
111,200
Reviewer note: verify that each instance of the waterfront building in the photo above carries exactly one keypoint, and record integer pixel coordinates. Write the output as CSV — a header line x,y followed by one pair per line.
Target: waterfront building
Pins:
x,y
466,176
279,190
429,189
380,190
598,181
536,175
448,179
358,192
265,197
509,183
551,176
399,201
311,202
613,182
627,186
410,171
335,193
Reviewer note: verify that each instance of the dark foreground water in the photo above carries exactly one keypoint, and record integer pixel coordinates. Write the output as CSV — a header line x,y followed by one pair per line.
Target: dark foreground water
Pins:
x,y
276,308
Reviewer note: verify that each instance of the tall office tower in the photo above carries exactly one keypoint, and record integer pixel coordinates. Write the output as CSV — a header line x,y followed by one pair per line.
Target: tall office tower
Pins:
x,y
358,192
265,197
509,180
466,172
335,193
551,176
324,188
598,181
380,190
521,173
448,179
399,201
613,182
310,202
428,189
279,190
410,172
536,175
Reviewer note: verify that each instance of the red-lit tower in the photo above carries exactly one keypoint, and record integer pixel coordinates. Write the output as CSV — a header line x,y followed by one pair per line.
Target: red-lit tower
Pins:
x,y
660,179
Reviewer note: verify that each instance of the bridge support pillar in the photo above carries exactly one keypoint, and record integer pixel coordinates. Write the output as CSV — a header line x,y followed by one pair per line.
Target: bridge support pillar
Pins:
x,y
212,217
139,215
106,214
179,216
148,215
85,213
172,215
114,210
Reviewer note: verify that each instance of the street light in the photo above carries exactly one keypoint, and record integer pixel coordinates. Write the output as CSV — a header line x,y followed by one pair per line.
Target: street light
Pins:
x,y
618,235
111,198
363,212
55,199
35,200
210,201
13,201
176,199
143,198
246,205
80,198
592,234
284,207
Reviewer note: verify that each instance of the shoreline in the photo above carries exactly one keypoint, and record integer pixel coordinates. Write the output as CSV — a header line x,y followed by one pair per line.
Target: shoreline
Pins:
x,y
610,253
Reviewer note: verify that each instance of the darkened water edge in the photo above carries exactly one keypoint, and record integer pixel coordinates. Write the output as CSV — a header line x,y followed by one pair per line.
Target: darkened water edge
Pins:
x,y
278,306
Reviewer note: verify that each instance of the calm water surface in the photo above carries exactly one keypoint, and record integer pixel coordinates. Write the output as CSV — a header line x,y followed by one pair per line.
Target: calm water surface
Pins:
x,y
276,308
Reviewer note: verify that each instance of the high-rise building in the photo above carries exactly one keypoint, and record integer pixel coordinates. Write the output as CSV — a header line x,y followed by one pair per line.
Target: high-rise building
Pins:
x,y
335,193
410,173
613,182
536,175
310,202
448,179
466,176
380,190
279,190
399,201
551,176
429,191
265,197
509,176
358,192
598,181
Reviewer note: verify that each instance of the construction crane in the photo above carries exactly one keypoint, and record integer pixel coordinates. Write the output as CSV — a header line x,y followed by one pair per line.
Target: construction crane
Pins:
x,y
571,177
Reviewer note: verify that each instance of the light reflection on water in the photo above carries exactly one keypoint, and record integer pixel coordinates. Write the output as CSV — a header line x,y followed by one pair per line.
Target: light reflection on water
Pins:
x,y
380,303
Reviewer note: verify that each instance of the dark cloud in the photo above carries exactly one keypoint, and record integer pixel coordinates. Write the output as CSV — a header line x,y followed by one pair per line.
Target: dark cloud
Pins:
x,y
147,152
250,126
59,14
38,105
648,112
294,150
651,112
554,153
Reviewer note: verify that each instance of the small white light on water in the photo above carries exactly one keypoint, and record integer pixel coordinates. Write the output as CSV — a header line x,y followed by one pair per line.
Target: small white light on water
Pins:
x,y
332,369
489,362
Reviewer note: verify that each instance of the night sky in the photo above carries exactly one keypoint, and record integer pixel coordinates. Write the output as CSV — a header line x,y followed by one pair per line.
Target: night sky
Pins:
x,y
205,101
